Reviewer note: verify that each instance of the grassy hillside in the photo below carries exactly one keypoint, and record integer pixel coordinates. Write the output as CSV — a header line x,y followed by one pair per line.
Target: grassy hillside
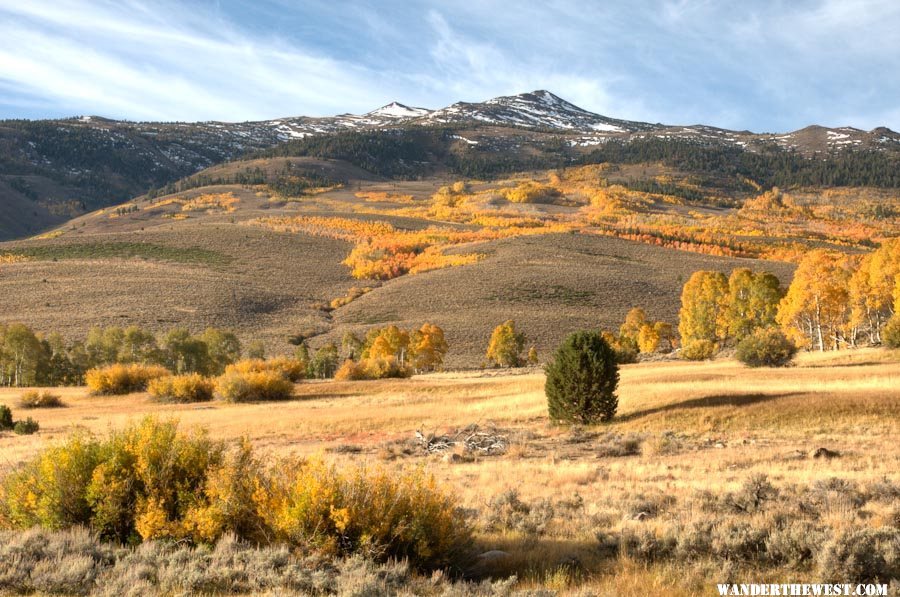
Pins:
x,y
209,256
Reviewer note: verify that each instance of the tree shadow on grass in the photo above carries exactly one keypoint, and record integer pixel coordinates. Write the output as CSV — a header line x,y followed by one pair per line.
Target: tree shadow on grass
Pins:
x,y
714,400
867,363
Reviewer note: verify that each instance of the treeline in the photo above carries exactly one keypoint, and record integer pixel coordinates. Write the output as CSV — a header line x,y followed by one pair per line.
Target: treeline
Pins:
x,y
28,358
395,153
667,188
416,152
769,165
292,180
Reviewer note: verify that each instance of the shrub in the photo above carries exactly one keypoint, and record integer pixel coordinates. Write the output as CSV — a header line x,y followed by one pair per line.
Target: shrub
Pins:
x,y
891,333
380,368
293,370
386,368
645,545
614,445
6,420
74,562
350,371
862,555
51,489
26,426
154,481
767,347
191,387
42,562
582,379
385,514
254,386
795,545
40,399
507,512
698,350
122,379
740,541
139,483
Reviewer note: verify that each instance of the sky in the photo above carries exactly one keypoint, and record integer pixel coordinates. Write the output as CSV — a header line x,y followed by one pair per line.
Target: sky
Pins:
x,y
760,65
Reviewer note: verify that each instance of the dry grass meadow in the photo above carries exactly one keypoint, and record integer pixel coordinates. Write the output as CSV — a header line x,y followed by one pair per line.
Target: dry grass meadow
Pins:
x,y
686,449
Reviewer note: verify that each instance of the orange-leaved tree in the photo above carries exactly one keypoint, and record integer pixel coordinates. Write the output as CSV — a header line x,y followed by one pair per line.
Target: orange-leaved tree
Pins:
x,y
428,347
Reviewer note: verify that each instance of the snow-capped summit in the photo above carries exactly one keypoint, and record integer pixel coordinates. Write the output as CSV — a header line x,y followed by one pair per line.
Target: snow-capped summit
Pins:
x,y
398,110
536,109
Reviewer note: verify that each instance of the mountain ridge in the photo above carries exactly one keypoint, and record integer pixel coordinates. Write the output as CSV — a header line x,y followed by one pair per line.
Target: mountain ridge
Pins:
x,y
64,167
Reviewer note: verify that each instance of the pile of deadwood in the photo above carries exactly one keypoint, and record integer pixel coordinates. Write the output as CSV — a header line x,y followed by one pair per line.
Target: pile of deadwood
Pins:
x,y
473,439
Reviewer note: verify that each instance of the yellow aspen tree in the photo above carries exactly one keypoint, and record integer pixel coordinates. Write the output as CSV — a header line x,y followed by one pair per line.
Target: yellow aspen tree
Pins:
x,y
387,342
704,306
648,338
428,348
506,345
634,321
815,311
752,302
872,288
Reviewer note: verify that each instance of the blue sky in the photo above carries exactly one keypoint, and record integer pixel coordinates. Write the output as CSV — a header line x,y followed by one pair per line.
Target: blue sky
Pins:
x,y
760,65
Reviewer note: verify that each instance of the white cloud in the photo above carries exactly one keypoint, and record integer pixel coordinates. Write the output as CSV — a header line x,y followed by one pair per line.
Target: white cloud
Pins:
x,y
127,61
764,65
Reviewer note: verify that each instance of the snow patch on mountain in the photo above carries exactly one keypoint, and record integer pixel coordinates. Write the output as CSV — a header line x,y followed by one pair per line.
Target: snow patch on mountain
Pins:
x,y
398,110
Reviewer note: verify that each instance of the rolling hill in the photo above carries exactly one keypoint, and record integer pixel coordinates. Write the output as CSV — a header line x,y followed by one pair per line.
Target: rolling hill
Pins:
x,y
205,257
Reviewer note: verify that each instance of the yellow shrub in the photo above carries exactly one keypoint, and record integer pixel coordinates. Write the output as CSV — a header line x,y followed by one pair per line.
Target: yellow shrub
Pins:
x,y
372,368
122,379
530,192
150,477
139,483
384,514
40,399
192,387
383,368
50,490
253,386
698,350
229,504
291,369
154,481
350,371
352,294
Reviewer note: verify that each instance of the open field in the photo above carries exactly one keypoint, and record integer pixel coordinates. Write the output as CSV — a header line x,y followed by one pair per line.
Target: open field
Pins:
x,y
683,431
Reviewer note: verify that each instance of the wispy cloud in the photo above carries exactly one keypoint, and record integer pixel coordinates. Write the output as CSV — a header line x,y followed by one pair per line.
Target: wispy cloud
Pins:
x,y
766,65
128,60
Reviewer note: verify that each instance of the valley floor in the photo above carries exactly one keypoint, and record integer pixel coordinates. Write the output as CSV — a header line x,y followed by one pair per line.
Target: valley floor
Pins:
x,y
683,431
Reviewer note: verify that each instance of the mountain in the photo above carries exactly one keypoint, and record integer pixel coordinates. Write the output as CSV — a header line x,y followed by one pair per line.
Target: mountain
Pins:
x,y
52,170
538,109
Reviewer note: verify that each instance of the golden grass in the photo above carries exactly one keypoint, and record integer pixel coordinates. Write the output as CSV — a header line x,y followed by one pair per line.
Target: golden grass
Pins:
x,y
704,426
